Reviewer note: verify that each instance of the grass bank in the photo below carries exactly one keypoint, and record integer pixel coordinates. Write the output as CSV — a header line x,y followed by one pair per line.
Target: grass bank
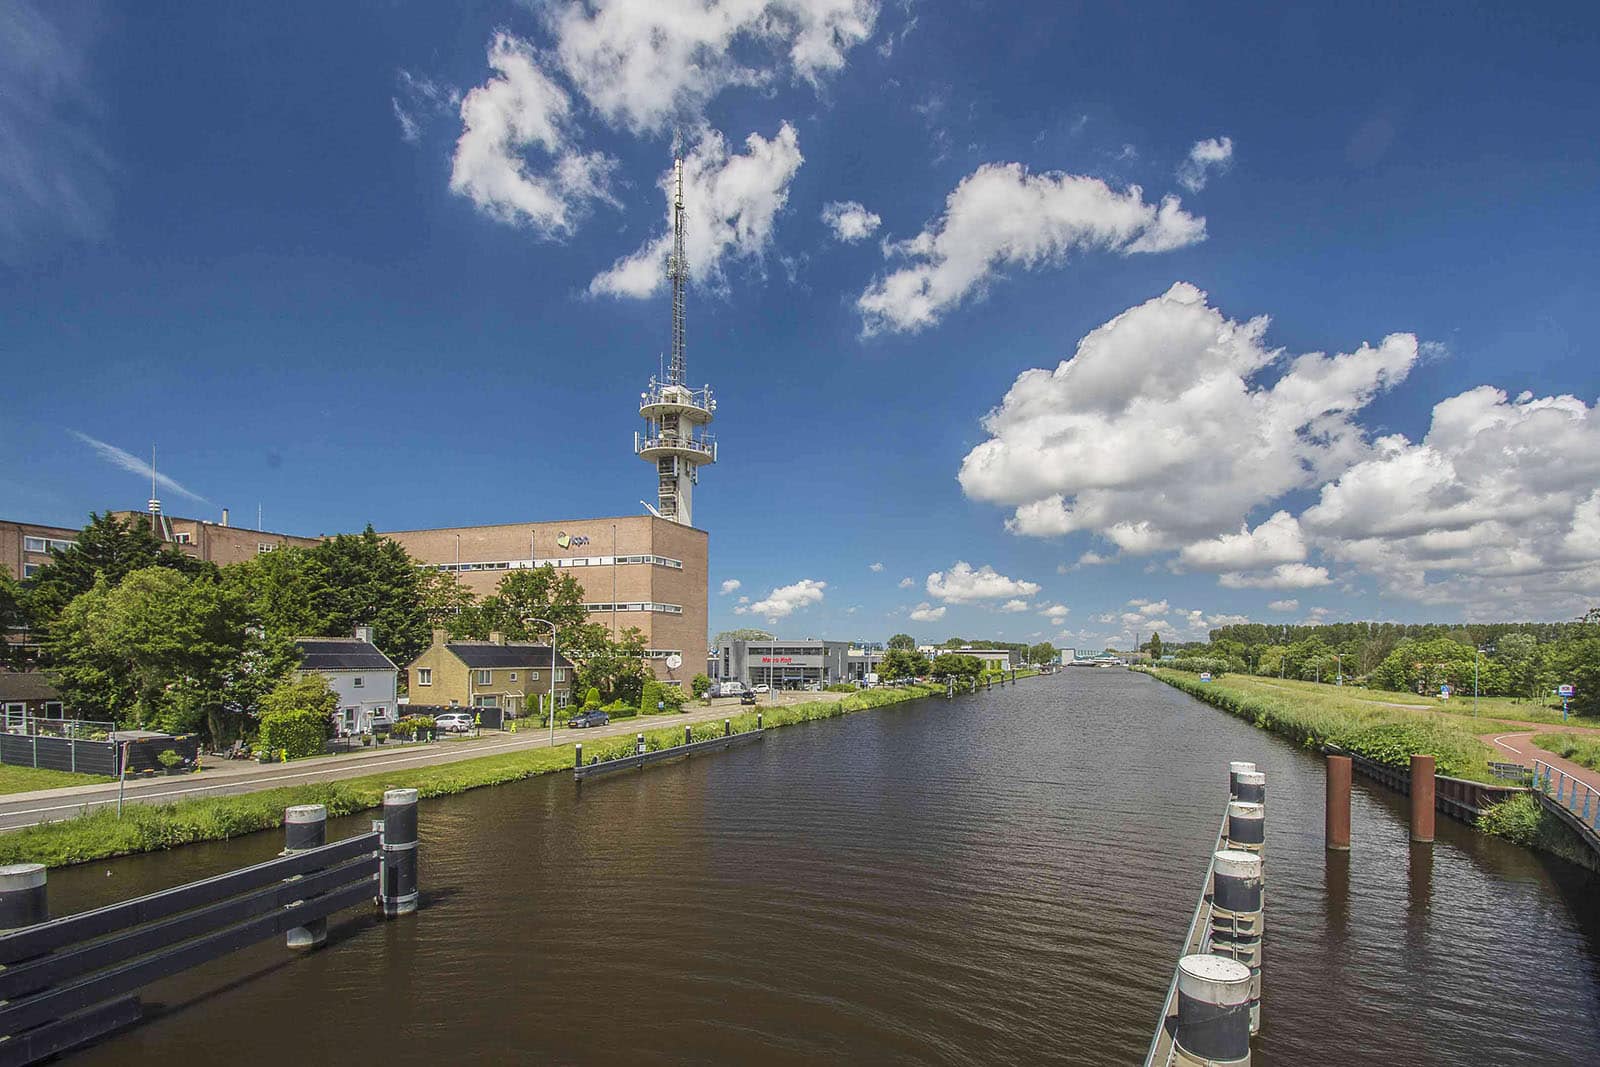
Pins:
x,y
1584,751
100,834
27,779
1383,734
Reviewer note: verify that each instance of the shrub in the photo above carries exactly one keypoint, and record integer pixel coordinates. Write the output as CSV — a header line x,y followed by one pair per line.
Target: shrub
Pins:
x,y
1212,665
298,733
700,685
652,695
591,700
169,758
674,698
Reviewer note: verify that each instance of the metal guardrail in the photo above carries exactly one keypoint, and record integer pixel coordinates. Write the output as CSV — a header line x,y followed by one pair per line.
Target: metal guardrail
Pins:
x,y
1567,791
581,771
1162,1047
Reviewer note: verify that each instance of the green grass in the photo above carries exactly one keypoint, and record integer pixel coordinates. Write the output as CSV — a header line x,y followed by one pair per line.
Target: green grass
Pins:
x,y
1584,751
27,779
1505,709
100,834
1314,718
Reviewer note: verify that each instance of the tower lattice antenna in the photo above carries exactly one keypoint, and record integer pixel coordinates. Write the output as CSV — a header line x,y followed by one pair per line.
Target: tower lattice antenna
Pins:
x,y
678,271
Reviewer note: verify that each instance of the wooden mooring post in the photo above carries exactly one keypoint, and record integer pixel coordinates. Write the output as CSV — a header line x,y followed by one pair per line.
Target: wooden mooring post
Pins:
x,y
1422,789
1336,819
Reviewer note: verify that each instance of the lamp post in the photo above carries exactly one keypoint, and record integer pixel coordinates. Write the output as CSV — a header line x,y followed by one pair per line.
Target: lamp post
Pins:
x,y
1338,663
1477,654
552,626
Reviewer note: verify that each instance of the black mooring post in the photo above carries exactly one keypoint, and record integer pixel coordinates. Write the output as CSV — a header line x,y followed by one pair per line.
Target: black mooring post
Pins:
x,y
727,727
399,880
305,826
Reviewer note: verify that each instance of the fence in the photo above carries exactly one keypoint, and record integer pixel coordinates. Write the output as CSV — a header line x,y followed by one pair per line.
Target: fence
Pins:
x,y
68,981
1456,797
82,756
642,757
1572,800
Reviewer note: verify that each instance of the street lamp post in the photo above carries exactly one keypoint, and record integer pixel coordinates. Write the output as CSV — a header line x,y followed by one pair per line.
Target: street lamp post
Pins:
x,y
552,626
1338,663
1477,654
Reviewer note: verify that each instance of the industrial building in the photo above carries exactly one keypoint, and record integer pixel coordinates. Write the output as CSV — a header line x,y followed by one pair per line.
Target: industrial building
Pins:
x,y
792,664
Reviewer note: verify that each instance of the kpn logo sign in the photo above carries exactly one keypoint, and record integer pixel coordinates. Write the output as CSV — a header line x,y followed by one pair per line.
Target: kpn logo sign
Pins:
x,y
565,541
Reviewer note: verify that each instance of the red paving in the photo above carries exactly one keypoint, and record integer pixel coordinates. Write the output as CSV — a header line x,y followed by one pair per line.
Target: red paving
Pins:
x,y
1518,747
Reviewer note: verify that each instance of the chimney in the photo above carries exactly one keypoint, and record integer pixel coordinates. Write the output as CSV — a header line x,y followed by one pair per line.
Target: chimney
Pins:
x,y
224,516
364,633
496,637
439,637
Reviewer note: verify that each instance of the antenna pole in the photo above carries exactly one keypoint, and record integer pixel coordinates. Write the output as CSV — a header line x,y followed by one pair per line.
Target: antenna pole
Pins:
x,y
678,271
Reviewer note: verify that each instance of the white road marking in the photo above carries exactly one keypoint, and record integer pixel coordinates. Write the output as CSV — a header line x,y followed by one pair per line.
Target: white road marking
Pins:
x,y
1508,748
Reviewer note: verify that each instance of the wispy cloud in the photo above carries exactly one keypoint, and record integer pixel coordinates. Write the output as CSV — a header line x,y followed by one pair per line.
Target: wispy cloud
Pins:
x,y
134,465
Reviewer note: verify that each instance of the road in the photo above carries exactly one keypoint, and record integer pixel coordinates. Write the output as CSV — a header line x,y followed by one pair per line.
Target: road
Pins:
x,y
227,777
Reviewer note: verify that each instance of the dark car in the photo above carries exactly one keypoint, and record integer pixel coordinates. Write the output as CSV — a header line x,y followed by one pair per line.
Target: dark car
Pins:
x,y
747,697
589,718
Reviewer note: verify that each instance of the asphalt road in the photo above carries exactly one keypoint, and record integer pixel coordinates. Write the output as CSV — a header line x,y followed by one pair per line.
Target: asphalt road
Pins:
x,y
227,777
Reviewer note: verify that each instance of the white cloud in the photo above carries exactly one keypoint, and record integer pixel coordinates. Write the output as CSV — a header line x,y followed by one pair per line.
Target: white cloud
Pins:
x,y
418,98
522,109
730,585
1001,216
1498,506
54,171
849,221
1283,576
735,200
1161,431
963,585
875,567
1211,154
1285,605
1057,613
926,612
1278,540
1013,606
908,583
743,600
785,600
1095,559
646,64
134,465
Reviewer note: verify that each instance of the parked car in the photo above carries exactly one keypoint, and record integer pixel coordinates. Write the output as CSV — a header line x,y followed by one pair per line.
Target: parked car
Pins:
x,y
453,722
748,697
588,718
763,688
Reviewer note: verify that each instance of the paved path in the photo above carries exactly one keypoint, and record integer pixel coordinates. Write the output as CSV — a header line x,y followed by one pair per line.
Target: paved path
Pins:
x,y
1519,747
224,777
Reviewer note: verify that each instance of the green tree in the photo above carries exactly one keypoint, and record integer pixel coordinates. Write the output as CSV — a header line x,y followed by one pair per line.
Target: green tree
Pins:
x,y
591,699
310,692
167,651
366,580
107,546
747,634
450,606
903,643
1042,653
1155,645
953,665
1519,653
535,593
12,619
700,685
617,668
900,663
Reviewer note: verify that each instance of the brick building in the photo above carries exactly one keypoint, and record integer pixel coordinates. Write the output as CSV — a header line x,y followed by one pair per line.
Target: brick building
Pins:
x,y
636,570
24,546
513,677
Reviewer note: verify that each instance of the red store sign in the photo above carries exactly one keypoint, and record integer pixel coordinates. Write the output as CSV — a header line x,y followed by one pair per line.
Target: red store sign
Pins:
x,y
777,659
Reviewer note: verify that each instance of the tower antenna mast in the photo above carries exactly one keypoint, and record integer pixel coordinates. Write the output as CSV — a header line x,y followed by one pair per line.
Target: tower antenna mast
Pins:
x,y
678,271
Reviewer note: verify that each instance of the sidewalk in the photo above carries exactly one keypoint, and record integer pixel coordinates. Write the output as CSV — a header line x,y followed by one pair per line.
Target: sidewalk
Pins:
x,y
220,777
1520,746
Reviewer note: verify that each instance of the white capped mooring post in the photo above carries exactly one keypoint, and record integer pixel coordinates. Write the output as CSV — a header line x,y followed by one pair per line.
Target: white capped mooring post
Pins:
x,y
305,826
1252,786
1247,827
1213,1012
397,888
1234,769
23,900
1236,917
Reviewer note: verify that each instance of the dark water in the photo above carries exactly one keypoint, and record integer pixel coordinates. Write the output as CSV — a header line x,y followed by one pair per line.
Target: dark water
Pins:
x,y
1002,878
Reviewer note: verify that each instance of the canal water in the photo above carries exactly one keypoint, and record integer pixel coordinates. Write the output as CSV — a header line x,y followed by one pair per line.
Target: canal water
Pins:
x,y
999,878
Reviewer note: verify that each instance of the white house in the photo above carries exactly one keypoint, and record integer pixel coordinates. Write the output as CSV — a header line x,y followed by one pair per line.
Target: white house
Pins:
x,y
363,677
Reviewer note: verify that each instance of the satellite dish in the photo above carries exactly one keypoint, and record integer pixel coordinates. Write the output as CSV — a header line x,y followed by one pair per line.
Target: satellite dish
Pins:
x,y
674,661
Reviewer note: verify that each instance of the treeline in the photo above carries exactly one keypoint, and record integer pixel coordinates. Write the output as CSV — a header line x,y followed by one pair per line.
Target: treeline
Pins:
x,y
1021,652
1523,660
137,633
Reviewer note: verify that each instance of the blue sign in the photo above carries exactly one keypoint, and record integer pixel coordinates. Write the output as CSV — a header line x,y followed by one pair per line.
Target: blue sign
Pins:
x,y
1444,691
1206,676
1566,691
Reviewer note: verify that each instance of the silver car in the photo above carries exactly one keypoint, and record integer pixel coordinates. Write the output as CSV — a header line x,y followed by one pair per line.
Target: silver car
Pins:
x,y
453,722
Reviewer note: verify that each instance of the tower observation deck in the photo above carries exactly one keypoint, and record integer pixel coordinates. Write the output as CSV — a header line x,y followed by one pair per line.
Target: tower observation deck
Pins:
x,y
675,416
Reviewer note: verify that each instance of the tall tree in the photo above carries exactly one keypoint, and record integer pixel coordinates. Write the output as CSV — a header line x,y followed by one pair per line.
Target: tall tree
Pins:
x,y
366,580
1155,645
535,593
903,642
12,619
617,668
107,546
166,651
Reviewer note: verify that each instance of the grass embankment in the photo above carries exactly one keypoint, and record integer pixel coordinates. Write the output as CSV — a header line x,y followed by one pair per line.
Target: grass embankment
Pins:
x,y
27,779
1383,734
99,834
1492,712
1584,751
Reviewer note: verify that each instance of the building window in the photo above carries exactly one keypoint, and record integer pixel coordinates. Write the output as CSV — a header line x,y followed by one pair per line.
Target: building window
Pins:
x,y
33,544
30,569
533,676
424,675
52,709
45,544
561,674
486,701
264,546
183,538
513,676
357,681
380,713
486,677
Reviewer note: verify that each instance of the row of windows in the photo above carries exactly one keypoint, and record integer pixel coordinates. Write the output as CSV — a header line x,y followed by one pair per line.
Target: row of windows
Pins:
x,y
645,605
484,677
661,653
45,544
563,561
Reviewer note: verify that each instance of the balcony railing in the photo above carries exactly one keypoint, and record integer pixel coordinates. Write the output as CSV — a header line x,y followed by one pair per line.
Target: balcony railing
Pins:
x,y
658,393
704,446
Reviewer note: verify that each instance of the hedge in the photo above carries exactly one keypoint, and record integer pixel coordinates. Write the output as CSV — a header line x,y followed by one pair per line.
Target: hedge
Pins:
x,y
296,733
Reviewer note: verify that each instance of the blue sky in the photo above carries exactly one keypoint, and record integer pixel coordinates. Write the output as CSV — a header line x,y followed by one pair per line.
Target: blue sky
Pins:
x,y
395,264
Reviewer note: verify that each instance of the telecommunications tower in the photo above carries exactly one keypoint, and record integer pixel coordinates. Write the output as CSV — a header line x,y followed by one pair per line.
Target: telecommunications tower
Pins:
x,y
675,416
